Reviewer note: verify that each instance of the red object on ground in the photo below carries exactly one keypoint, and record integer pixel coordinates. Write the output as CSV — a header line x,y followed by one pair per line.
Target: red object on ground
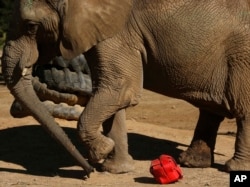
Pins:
x,y
165,170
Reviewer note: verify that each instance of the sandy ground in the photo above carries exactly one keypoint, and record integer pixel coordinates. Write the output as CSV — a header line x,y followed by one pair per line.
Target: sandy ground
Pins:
x,y
158,125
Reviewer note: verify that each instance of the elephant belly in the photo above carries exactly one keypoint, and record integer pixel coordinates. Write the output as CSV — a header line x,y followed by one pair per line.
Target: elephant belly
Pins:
x,y
203,88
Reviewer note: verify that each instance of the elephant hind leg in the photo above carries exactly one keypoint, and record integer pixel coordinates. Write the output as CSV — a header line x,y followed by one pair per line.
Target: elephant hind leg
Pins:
x,y
241,158
200,152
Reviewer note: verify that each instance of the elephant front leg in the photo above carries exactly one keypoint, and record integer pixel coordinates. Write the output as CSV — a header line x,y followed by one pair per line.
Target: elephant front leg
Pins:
x,y
200,152
100,107
119,160
241,158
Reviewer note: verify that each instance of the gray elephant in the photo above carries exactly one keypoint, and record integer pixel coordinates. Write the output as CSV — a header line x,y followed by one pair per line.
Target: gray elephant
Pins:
x,y
198,51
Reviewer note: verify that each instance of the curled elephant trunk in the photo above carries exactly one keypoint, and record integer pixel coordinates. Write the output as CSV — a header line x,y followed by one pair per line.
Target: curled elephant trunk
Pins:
x,y
18,77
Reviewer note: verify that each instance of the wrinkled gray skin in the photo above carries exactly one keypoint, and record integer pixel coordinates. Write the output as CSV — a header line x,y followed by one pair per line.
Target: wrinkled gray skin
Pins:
x,y
198,51
62,85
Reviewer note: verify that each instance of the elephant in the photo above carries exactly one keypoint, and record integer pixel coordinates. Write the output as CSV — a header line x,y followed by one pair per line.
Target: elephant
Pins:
x,y
198,51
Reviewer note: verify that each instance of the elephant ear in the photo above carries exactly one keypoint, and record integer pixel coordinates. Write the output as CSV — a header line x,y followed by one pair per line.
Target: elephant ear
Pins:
x,y
87,22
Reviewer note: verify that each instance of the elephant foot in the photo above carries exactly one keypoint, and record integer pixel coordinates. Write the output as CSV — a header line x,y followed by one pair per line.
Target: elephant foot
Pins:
x,y
100,148
197,155
118,165
235,164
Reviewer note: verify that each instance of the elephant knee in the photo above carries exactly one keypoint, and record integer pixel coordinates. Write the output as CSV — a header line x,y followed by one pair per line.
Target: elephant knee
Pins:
x,y
130,97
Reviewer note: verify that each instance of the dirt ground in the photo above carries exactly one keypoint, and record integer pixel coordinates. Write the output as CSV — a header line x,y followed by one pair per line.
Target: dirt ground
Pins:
x,y
158,125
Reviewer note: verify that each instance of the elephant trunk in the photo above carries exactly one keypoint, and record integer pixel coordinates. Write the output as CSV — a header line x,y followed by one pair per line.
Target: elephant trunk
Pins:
x,y
18,77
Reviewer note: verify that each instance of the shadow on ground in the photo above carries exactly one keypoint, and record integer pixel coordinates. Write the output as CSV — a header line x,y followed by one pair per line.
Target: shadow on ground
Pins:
x,y
32,148
148,148
1,79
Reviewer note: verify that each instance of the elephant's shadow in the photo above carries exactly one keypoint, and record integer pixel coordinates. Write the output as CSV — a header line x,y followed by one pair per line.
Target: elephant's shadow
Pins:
x,y
33,149
1,78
